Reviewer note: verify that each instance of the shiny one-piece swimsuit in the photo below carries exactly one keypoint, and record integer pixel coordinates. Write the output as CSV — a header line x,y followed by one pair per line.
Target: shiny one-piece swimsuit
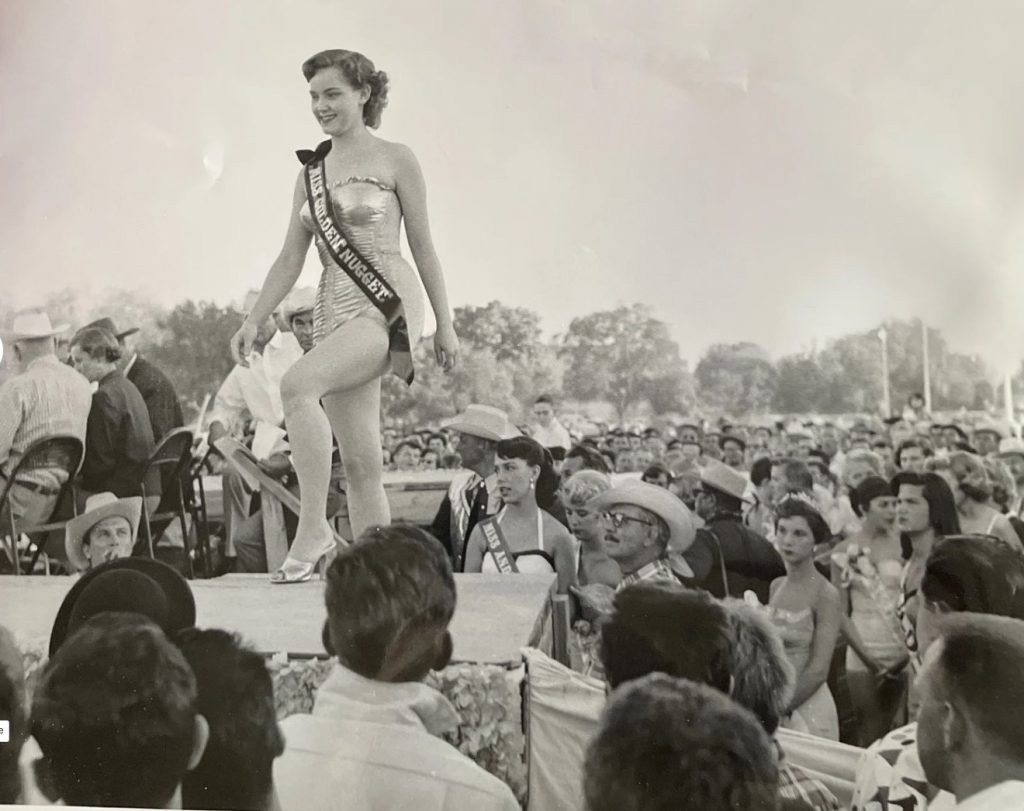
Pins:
x,y
370,214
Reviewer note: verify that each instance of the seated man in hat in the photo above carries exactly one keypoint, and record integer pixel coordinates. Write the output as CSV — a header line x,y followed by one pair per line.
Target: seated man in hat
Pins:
x,y
119,437
727,557
373,738
157,391
45,399
472,494
105,531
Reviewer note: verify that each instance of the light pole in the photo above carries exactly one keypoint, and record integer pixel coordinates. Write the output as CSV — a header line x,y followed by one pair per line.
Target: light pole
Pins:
x,y
883,336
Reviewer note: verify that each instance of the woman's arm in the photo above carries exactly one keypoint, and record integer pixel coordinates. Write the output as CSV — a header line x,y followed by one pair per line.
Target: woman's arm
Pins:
x,y
280,278
474,551
826,633
412,194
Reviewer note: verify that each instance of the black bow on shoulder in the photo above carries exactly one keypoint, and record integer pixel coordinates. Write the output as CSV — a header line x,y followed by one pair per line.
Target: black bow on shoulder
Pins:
x,y
306,156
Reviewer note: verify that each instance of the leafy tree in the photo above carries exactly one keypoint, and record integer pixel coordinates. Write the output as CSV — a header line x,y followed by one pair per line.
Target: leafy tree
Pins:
x,y
193,349
624,356
511,333
736,378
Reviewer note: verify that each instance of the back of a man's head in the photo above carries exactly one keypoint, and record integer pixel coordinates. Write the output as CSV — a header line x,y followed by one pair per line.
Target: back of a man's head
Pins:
x,y
390,597
977,673
666,628
763,676
115,715
13,711
236,697
668,744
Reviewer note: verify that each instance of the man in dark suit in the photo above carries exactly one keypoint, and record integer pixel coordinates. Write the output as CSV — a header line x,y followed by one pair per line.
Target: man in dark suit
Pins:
x,y
157,391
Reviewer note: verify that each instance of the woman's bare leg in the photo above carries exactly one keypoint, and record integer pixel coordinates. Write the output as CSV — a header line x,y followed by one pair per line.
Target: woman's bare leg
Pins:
x,y
348,359
355,418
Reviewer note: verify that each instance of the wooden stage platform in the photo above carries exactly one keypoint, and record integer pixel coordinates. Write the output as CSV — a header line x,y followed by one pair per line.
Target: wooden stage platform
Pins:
x,y
494,618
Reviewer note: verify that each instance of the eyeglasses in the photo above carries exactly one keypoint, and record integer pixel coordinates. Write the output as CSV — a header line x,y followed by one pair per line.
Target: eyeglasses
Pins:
x,y
618,519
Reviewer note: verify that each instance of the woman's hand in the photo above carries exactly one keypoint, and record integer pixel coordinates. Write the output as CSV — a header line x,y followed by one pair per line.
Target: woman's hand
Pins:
x,y
446,347
241,343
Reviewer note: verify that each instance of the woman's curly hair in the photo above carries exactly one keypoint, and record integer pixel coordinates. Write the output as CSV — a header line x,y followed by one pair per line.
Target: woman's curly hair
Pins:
x,y
358,72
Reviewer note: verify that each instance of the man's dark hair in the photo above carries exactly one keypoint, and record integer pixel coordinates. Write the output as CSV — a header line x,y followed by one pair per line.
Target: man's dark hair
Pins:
x,y
668,744
724,502
384,593
442,437
797,474
976,574
981,662
12,710
98,344
654,471
793,507
545,398
535,455
114,714
236,696
941,507
592,458
911,443
760,471
665,628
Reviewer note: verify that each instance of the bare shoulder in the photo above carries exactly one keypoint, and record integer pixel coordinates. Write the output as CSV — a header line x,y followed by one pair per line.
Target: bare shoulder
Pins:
x,y
776,584
828,595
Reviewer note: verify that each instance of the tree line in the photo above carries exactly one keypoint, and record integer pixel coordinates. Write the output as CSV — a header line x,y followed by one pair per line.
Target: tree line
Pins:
x,y
623,357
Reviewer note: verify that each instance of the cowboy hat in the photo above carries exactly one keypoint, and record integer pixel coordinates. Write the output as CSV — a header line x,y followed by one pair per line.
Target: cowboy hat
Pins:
x,y
301,300
1011,446
34,324
135,585
97,508
725,480
108,325
989,426
486,422
682,529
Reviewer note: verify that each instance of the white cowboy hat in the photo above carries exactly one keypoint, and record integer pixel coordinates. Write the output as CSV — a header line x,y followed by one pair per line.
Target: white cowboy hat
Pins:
x,y
990,426
301,300
98,507
34,324
682,528
1011,446
724,479
486,422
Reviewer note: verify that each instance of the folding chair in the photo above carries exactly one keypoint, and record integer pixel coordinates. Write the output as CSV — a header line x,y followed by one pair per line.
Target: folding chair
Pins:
x,y
172,458
61,452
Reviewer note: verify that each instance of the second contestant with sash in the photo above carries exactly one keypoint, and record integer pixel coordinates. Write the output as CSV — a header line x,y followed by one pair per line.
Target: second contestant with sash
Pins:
x,y
350,197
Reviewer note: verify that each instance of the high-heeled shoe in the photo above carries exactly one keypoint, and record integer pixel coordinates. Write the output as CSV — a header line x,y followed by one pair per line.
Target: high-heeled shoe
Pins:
x,y
301,571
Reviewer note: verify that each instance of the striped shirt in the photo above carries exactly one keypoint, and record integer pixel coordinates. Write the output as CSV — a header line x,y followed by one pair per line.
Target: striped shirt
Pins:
x,y
47,398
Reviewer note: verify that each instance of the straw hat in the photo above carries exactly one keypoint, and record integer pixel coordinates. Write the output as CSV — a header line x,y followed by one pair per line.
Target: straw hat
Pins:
x,y
682,527
486,422
34,324
98,507
1011,446
725,480
301,300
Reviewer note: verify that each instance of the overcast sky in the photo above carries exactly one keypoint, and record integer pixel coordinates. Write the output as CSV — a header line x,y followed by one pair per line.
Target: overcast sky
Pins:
x,y
777,171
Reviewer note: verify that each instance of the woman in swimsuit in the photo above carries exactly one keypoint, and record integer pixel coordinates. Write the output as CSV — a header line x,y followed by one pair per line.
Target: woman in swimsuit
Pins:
x,y
526,480
372,185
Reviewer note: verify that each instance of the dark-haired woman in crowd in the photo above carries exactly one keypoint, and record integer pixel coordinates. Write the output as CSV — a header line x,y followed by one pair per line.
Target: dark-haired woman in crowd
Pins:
x,y
925,513
526,482
806,609
866,569
369,186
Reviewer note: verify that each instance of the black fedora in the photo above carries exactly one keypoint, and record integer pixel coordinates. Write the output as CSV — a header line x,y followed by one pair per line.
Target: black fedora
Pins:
x,y
108,325
137,585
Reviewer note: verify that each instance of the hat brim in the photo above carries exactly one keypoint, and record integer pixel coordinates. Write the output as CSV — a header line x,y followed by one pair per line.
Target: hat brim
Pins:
x,y
180,602
77,528
473,430
719,489
27,336
126,333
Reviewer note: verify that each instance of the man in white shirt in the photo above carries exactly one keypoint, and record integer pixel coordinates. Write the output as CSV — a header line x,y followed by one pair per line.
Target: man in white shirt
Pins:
x,y
969,735
547,430
372,739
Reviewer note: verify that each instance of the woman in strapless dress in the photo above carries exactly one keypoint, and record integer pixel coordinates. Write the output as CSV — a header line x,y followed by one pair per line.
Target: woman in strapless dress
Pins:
x,y
806,609
372,185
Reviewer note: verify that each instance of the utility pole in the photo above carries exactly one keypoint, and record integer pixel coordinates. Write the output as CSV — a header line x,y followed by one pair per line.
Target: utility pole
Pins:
x,y
927,369
883,336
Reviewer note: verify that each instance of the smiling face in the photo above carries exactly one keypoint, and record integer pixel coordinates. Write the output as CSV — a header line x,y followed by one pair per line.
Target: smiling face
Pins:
x,y
109,539
337,106
514,479
795,540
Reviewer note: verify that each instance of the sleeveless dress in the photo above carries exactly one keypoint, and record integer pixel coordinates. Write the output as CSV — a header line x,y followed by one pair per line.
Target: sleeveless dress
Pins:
x,y
817,715
529,561
371,216
875,600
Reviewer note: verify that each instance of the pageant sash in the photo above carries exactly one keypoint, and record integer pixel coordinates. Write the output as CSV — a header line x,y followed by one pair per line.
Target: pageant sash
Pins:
x,y
498,546
345,254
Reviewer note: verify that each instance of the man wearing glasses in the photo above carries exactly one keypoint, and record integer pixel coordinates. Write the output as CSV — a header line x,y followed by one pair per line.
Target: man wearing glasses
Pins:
x,y
647,530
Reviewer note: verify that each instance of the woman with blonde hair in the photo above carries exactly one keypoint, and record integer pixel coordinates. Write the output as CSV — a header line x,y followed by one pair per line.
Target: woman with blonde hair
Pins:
x,y
586,525
351,196
972,494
